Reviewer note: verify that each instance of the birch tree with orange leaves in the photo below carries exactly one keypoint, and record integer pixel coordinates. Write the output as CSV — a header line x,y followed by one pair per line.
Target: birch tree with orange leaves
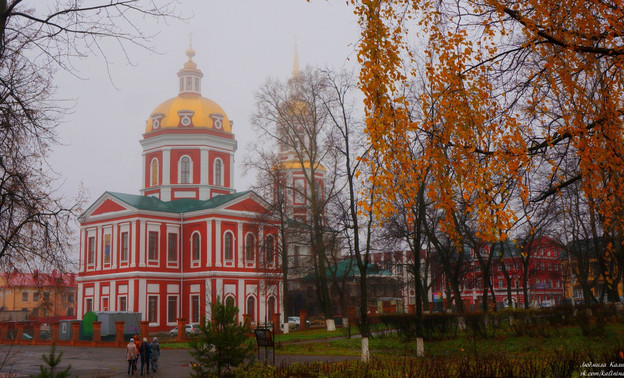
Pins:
x,y
511,81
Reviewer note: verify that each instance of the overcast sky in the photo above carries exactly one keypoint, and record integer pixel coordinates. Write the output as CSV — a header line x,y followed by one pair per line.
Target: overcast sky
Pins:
x,y
238,44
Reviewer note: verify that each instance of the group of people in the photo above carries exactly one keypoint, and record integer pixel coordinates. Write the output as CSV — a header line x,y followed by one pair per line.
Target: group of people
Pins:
x,y
146,351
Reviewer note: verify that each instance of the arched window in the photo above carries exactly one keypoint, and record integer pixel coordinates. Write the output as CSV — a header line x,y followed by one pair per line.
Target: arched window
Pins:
x,y
250,245
154,173
185,170
271,307
251,308
195,246
218,172
269,248
227,246
229,301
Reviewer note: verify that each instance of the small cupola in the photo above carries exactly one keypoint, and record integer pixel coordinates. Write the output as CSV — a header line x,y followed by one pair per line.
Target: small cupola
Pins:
x,y
190,76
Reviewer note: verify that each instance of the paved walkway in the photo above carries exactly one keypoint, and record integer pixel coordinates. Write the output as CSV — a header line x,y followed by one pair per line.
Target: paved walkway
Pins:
x,y
24,360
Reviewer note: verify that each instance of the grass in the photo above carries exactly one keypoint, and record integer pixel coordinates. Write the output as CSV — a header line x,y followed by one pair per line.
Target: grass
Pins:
x,y
570,339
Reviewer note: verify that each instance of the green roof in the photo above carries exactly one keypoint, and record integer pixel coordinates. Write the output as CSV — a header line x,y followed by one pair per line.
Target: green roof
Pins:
x,y
348,267
176,206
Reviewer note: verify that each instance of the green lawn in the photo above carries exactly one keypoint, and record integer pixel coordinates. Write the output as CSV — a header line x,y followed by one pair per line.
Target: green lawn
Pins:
x,y
568,339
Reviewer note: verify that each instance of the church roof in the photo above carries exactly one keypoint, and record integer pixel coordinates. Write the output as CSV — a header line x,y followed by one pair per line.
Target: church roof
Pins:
x,y
189,109
176,206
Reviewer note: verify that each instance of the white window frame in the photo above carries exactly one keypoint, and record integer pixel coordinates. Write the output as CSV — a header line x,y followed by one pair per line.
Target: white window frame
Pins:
x,y
156,312
232,247
153,261
119,298
190,173
177,309
151,170
254,251
218,174
195,261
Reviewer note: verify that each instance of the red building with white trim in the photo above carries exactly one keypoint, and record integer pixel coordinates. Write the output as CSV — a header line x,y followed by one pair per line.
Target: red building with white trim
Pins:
x,y
189,238
545,282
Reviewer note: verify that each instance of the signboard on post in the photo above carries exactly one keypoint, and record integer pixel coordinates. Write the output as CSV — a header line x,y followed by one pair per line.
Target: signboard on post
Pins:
x,y
264,338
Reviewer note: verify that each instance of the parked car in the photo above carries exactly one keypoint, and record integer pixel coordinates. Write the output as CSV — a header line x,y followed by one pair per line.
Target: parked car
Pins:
x,y
294,322
191,329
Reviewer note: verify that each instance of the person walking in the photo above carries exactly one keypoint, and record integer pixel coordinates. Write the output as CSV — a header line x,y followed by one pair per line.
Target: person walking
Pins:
x,y
131,354
155,354
137,343
146,354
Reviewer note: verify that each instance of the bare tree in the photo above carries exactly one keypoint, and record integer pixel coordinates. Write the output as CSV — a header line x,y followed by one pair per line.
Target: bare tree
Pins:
x,y
35,42
291,116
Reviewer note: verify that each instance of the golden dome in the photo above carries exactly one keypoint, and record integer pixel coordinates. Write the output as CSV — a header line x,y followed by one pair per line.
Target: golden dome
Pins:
x,y
295,164
204,114
189,110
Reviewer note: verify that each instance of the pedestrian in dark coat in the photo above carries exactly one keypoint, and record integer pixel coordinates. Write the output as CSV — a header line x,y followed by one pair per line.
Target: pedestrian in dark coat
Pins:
x,y
146,354
155,354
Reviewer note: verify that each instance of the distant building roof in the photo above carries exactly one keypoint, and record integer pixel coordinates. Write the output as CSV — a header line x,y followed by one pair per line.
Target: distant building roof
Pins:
x,y
37,279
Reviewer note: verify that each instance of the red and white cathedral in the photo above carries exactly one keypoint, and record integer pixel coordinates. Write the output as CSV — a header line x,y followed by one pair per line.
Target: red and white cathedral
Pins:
x,y
189,239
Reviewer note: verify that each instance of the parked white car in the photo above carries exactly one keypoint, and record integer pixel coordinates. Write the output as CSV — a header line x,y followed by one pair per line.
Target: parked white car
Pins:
x,y
191,329
294,322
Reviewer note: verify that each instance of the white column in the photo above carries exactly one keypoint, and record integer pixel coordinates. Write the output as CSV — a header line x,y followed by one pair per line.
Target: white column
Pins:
x,y
204,165
142,233
166,165
97,305
134,234
131,298
83,238
143,300
231,170
218,252
239,242
241,299
112,296
165,188
79,300
143,183
209,242
208,297
98,248
114,247
219,289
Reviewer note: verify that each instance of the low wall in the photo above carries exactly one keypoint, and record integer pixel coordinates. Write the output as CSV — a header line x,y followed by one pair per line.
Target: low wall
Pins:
x,y
13,333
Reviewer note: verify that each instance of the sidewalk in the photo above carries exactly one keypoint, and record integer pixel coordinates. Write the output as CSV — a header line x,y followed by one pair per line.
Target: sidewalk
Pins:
x,y
24,360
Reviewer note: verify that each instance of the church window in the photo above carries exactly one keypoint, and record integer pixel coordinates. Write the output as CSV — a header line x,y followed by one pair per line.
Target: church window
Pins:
x,y
227,246
124,246
181,85
271,307
194,308
196,245
196,85
123,304
152,308
251,306
172,309
299,192
269,248
218,172
189,83
154,172
185,170
296,257
91,256
172,248
229,301
152,246
250,245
